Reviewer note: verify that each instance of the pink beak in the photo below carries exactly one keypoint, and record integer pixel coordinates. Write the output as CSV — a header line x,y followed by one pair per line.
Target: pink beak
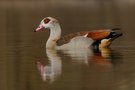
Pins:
x,y
40,27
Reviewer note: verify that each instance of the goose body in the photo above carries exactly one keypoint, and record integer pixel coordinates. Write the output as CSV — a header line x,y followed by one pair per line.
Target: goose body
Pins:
x,y
86,39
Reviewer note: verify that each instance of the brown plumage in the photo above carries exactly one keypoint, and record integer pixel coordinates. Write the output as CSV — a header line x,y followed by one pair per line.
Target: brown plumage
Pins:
x,y
98,34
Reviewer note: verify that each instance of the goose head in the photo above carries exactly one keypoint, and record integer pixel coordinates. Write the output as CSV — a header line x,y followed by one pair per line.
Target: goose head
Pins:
x,y
55,30
47,23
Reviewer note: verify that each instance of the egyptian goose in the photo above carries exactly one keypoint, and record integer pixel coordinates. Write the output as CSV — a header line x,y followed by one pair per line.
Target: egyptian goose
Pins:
x,y
95,38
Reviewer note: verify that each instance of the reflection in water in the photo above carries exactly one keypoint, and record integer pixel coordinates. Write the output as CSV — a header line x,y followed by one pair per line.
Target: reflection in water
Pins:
x,y
79,55
103,57
51,71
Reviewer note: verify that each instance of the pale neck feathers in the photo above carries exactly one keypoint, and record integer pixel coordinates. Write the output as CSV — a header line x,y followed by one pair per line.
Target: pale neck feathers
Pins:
x,y
55,34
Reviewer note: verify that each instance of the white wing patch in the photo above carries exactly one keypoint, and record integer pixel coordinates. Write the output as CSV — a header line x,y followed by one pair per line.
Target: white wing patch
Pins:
x,y
86,35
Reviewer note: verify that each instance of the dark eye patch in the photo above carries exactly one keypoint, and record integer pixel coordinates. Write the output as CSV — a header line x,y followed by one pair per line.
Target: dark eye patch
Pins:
x,y
46,20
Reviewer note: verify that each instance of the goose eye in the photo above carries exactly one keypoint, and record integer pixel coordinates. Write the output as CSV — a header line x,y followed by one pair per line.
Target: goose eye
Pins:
x,y
46,20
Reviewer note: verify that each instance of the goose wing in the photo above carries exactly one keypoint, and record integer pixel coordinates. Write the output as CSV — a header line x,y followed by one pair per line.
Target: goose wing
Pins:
x,y
94,34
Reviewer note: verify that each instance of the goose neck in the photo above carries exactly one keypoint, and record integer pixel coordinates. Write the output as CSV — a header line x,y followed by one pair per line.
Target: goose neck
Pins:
x,y
55,34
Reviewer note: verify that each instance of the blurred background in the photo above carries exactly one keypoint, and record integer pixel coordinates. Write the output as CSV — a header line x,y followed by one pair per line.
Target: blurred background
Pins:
x,y
20,47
